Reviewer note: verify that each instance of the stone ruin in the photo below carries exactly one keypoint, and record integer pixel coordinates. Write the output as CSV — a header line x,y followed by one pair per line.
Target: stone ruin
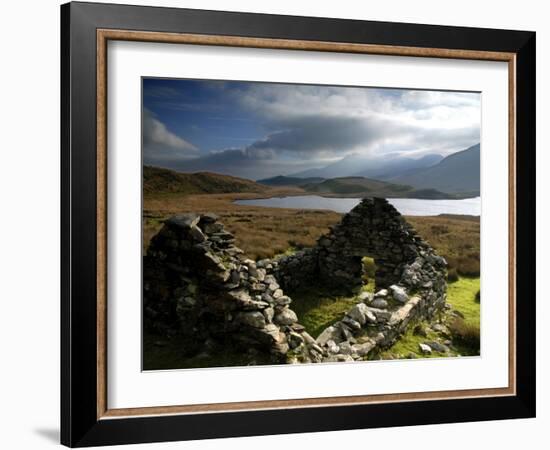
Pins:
x,y
198,284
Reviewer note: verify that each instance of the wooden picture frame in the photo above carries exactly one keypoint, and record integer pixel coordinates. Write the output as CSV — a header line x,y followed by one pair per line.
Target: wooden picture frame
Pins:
x,y
86,418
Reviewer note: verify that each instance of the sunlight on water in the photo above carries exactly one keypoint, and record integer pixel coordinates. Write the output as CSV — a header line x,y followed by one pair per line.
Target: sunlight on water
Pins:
x,y
406,206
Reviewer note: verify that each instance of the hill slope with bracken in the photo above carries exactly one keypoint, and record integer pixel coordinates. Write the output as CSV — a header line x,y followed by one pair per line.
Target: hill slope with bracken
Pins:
x,y
164,181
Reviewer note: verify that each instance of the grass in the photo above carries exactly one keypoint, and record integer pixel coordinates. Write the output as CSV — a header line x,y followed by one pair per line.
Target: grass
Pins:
x,y
461,295
316,310
465,334
410,344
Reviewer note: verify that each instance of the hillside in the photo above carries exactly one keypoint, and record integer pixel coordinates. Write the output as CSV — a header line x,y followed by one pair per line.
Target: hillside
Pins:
x,y
164,181
455,174
361,186
281,180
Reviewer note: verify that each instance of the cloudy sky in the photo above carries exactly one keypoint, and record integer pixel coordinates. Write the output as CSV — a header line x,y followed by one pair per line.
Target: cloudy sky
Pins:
x,y
256,130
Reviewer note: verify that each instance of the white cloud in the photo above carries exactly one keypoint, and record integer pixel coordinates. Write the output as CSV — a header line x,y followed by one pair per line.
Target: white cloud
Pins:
x,y
156,137
337,121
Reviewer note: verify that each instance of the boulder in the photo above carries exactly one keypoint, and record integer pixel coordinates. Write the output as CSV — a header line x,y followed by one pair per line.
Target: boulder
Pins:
x,y
208,217
438,347
329,334
283,300
285,317
379,303
425,349
399,294
358,313
184,221
268,314
363,349
352,324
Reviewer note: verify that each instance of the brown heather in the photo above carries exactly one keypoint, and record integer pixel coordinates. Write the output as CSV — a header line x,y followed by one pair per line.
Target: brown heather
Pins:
x,y
264,232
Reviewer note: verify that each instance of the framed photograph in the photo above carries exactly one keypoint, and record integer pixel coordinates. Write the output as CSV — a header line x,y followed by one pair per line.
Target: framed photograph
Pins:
x,y
276,224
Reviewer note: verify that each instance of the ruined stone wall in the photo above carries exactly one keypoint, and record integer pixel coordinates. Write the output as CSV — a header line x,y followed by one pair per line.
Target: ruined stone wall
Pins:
x,y
297,270
197,283
410,278
373,228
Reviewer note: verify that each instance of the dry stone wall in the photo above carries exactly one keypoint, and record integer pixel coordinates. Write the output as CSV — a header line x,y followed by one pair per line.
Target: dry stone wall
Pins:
x,y
198,283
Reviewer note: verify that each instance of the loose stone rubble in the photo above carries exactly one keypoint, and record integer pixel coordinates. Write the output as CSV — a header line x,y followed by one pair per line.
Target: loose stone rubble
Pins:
x,y
197,283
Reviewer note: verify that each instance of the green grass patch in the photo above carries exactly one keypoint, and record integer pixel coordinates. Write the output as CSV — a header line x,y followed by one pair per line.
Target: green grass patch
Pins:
x,y
317,309
461,295
410,343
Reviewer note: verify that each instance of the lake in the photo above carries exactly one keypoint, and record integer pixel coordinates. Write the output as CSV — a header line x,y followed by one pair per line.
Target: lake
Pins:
x,y
406,206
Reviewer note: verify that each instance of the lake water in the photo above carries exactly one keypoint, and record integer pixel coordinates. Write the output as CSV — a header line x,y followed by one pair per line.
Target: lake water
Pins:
x,y
406,206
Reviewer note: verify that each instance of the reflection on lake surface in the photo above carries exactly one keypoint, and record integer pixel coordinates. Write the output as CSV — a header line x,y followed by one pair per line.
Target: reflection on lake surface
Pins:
x,y
406,206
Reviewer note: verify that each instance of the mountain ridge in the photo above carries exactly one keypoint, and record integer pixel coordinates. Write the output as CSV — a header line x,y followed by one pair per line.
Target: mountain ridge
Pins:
x,y
378,168
458,173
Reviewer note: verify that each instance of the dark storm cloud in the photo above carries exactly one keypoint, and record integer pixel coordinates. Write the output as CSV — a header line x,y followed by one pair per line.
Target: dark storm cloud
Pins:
x,y
319,133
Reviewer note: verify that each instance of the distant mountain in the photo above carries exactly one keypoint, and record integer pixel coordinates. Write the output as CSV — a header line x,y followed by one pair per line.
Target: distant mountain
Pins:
x,y
164,181
373,167
281,180
367,187
398,166
456,174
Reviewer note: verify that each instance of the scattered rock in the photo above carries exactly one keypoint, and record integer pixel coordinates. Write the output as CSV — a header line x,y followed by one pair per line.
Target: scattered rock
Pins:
x,y
425,349
436,346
